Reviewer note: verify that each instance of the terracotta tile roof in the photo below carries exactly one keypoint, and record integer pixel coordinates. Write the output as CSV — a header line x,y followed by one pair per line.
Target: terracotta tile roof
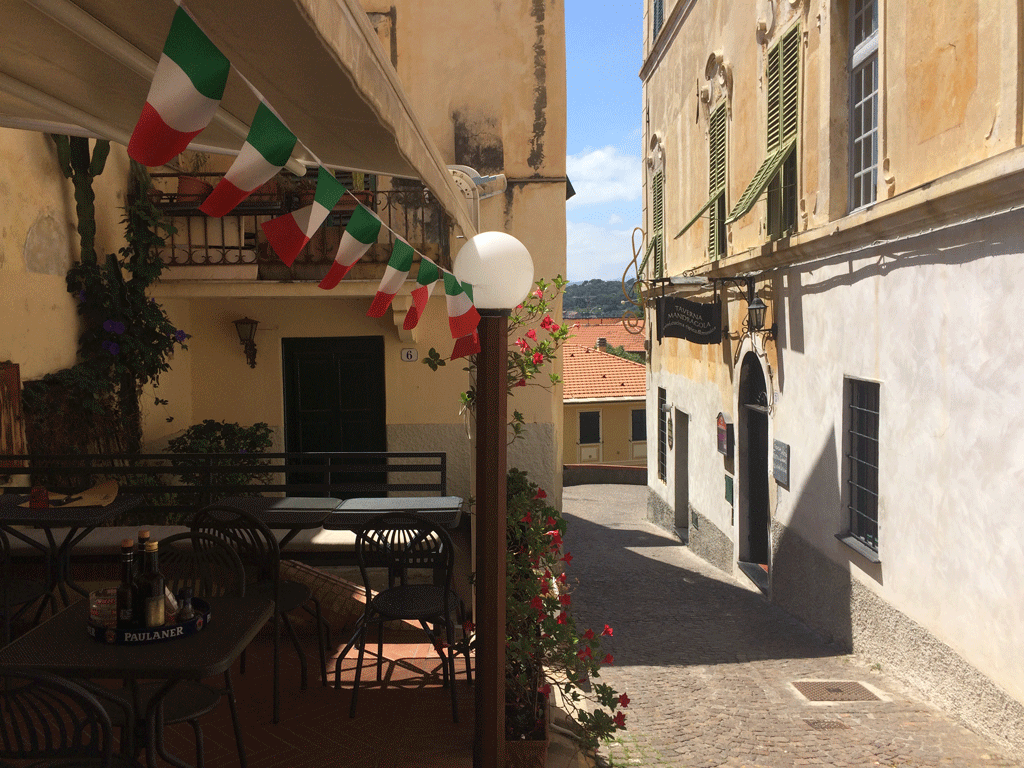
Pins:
x,y
586,331
588,374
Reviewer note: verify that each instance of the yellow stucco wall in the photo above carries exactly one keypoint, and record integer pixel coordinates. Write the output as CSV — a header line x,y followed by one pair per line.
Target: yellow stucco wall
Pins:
x,y
616,430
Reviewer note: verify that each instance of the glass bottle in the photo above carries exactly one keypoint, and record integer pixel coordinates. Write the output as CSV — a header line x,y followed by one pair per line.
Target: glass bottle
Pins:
x,y
126,589
151,588
185,610
140,553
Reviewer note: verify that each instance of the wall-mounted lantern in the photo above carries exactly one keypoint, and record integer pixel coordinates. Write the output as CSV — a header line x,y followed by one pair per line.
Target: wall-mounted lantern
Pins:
x,y
246,328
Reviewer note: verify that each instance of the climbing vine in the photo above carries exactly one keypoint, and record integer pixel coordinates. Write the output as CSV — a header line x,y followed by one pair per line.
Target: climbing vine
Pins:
x,y
126,336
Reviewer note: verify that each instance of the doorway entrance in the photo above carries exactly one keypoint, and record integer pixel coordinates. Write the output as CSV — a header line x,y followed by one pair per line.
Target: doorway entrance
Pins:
x,y
334,401
755,518
681,422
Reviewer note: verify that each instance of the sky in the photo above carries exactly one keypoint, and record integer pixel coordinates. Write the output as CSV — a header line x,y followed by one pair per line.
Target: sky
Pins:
x,y
604,46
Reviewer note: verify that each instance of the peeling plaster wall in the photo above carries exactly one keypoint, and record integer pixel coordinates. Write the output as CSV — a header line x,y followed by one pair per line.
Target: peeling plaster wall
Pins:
x,y
39,242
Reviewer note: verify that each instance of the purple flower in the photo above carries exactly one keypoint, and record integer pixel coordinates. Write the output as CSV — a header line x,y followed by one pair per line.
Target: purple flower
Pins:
x,y
113,326
180,336
111,347
81,295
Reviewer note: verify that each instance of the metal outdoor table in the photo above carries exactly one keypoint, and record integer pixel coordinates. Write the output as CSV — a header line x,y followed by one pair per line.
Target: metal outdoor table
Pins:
x,y
293,513
353,514
62,647
80,521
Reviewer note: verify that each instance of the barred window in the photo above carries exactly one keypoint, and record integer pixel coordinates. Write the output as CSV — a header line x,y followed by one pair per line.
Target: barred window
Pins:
x,y
862,460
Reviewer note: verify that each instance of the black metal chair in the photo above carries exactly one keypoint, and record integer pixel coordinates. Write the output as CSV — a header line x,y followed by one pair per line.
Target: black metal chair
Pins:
x,y
258,548
18,594
210,567
54,722
400,542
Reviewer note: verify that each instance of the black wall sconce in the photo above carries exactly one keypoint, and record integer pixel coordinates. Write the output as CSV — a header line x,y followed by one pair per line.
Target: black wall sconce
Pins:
x,y
246,328
756,308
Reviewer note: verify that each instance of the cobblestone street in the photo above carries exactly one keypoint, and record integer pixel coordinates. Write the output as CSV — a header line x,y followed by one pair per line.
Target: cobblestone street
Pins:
x,y
709,665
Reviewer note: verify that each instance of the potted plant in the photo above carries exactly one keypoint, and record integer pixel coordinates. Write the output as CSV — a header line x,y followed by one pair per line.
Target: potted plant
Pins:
x,y
191,188
546,654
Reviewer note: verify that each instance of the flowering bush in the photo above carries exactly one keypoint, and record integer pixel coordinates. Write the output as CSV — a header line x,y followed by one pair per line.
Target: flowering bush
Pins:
x,y
544,649
534,340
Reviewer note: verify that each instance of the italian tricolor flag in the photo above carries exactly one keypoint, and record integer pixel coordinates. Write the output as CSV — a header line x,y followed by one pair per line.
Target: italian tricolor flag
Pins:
x,y
267,148
428,276
360,234
289,234
397,270
467,345
462,315
186,90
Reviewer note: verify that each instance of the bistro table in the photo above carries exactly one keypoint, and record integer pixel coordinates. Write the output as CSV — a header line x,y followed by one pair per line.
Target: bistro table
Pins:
x,y
80,522
62,646
353,514
292,513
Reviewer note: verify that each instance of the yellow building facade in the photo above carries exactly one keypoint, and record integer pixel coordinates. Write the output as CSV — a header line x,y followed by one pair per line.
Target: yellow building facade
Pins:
x,y
855,166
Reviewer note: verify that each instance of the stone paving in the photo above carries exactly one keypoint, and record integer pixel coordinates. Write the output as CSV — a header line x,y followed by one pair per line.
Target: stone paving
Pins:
x,y
709,664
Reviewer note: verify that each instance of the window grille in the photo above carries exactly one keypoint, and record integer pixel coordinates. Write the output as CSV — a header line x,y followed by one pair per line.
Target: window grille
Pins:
x,y
659,18
662,436
862,460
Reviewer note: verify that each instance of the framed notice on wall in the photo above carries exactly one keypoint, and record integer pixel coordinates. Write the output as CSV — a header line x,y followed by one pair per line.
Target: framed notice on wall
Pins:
x,y
780,463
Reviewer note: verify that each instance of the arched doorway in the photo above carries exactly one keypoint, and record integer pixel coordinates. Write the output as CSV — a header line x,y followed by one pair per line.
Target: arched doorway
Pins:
x,y
755,518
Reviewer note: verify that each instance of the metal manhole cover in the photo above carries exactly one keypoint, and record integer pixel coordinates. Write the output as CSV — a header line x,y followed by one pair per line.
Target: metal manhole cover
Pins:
x,y
827,690
827,725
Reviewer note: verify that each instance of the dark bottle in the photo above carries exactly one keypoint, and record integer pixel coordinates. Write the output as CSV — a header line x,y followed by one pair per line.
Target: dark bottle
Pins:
x,y
185,610
140,555
126,589
150,585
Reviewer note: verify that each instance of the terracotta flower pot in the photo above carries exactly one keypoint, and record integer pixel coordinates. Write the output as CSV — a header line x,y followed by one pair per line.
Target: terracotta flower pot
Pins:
x,y
192,189
530,753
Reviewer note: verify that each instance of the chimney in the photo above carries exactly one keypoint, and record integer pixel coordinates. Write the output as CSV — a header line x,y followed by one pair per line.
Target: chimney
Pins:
x,y
602,344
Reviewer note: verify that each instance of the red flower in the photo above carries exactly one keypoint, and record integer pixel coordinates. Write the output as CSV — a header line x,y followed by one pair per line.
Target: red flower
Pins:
x,y
532,334
551,522
589,634
537,603
545,689
520,383
560,578
539,293
527,518
554,327
623,700
565,598
562,617
545,588
522,345
585,653
556,538
546,322
609,659
607,630
620,719
538,357
541,494
567,557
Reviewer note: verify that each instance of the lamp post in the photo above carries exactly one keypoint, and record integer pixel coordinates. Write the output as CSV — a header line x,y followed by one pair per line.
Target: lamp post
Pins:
x,y
501,272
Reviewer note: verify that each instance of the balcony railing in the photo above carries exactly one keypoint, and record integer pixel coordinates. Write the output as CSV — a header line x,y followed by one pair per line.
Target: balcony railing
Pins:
x,y
238,239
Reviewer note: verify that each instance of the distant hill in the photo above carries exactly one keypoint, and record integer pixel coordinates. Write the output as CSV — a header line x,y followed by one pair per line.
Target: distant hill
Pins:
x,y
595,298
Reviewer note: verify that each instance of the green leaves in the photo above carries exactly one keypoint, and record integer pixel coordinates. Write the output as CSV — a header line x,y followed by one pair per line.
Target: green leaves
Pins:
x,y
433,359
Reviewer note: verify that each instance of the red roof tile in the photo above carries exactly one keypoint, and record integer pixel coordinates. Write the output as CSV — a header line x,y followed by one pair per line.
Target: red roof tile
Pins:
x,y
586,332
589,374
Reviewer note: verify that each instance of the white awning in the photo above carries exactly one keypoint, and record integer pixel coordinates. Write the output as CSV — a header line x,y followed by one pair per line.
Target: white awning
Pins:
x,y
84,67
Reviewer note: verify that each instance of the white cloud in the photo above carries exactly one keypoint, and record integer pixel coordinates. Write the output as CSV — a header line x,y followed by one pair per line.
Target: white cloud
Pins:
x,y
593,251
603,176
614,219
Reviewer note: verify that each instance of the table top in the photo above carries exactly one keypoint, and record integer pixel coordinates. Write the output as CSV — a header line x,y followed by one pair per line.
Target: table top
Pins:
x,y
62,646
57,517
354,513
285,512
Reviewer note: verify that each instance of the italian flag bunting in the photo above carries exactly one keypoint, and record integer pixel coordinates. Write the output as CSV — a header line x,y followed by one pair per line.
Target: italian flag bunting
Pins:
x,y
289,234
467,345
360,234
462,315
426,280
184,95
398,269
267,148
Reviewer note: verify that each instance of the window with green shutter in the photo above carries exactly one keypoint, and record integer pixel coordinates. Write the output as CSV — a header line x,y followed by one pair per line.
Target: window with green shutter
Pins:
x,y
658,8
777,175
716,184
658,223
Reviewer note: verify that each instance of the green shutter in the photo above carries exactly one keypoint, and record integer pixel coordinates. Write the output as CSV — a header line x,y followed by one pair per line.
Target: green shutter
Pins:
x,y
764,174
658,222
774,78
789,95
716,181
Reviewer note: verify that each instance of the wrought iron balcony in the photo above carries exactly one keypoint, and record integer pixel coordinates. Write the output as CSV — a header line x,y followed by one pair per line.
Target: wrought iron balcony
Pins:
x,y
237,239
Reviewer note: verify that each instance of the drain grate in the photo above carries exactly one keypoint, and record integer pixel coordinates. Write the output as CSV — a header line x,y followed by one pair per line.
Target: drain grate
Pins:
x,y
825,690
827,725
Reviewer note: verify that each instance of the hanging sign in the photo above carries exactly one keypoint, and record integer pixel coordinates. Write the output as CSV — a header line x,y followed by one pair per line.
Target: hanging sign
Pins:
x,y
680,318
